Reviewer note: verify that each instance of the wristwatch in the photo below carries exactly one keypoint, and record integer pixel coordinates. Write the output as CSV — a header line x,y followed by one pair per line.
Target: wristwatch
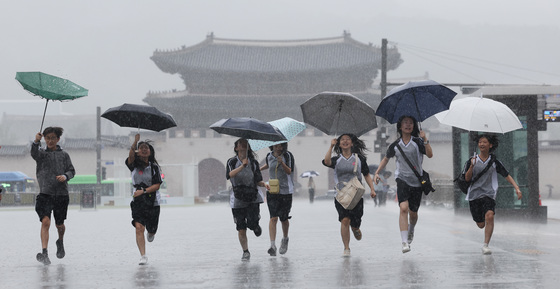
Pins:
x,y
426,142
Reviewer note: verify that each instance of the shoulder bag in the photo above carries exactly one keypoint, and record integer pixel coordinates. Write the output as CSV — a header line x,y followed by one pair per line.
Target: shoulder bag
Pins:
x,y
274,183
424,179
462,182
353,190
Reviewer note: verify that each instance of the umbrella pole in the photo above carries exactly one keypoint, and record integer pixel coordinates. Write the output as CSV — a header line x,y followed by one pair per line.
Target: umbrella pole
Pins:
x,y
44,112
417,110
338,119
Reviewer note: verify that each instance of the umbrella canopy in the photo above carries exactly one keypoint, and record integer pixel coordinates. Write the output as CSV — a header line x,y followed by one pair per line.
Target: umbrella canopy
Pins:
x,y
139,116
480,114
339,112
49,87
309,174
419,99
248,128
289,127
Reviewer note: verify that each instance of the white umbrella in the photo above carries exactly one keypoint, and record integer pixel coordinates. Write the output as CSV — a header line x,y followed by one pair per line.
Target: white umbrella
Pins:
x,y
289,127
309,174
480,114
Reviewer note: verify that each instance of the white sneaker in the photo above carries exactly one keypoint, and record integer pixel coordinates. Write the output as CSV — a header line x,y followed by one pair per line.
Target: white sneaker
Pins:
x,y
486,250
346,253
143,260
284,246
405,247
410,236
150,237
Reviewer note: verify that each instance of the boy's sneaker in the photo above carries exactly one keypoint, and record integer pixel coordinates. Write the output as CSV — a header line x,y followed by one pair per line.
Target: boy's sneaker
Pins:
x,y
150,237
60,249
272,251
410,236
346,253
405,247
257,231
486,250
143,260
284,246
357,233
43,258
246,256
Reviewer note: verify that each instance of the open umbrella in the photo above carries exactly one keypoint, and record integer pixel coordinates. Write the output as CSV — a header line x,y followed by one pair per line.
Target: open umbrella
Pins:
x,y
289,127
419,99
480,114
248,128
139,116
338,112
309,174
49,87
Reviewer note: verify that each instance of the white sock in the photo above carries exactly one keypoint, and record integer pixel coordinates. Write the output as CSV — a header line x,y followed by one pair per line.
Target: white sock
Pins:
x,y
273,243
404,236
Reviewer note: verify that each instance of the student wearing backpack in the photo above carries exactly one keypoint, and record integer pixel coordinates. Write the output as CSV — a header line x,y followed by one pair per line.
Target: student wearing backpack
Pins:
x,y
482,193
245,198
414,144
280,163
145,205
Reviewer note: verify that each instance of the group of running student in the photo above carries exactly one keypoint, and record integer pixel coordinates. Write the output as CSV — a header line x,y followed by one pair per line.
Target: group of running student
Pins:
x,y
413,144
243,171
54,169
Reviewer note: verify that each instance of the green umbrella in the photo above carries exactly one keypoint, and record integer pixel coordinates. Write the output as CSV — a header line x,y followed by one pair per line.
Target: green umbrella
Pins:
x,y
50,87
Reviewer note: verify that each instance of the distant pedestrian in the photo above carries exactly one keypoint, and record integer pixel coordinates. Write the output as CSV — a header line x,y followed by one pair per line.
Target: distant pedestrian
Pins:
x,y
54,169
245,198
280,163
482,193
415,144
381,191
311,189
350,153
146,179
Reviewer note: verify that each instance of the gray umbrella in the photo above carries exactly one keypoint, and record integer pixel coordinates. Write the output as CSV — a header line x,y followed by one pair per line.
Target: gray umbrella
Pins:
x,y
339,112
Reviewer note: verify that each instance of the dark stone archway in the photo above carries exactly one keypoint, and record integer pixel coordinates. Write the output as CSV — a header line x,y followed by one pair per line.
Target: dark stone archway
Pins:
x,y
211,177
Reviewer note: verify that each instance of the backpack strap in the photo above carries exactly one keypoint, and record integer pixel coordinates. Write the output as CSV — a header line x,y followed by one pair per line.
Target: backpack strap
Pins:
x,y
492,160
410,164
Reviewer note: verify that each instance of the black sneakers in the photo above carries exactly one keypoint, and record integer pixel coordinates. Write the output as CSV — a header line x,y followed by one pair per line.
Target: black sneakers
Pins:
x,y
43,258
60,249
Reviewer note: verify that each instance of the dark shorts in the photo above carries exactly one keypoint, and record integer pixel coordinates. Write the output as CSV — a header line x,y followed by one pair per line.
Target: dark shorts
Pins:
x,y
355,214
247,217
58,205
279,205
145,214
480,206
411,194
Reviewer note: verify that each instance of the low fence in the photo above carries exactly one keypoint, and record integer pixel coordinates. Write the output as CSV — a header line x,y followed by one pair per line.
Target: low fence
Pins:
x,y
28,199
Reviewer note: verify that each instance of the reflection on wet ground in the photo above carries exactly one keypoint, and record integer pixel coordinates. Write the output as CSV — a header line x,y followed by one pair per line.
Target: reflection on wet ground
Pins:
x,y
197,247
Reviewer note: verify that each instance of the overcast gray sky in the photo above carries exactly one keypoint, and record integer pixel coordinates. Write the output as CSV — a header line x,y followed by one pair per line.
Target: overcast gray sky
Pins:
x,y
105,45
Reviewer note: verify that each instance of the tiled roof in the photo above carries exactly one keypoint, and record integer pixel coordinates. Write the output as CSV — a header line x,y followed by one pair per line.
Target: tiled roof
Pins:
x,y
228,55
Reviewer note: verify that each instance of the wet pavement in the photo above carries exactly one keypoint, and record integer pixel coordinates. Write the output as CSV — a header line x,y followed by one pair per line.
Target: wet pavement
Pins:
x,y
197,247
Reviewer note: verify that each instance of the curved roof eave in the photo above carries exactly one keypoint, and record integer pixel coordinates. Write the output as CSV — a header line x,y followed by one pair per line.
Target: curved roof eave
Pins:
x,y
217,54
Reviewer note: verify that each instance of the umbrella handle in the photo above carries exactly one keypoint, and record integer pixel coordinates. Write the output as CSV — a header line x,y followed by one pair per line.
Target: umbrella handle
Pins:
x,y
44,112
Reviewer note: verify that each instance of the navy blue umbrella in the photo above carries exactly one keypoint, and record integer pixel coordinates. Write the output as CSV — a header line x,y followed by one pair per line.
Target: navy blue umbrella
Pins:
x,y
248,128
419,99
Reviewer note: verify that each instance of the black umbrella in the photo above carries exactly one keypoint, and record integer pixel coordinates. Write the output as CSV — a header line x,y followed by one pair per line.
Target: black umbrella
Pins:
x,y
339,112
139,116
248,128
419,99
